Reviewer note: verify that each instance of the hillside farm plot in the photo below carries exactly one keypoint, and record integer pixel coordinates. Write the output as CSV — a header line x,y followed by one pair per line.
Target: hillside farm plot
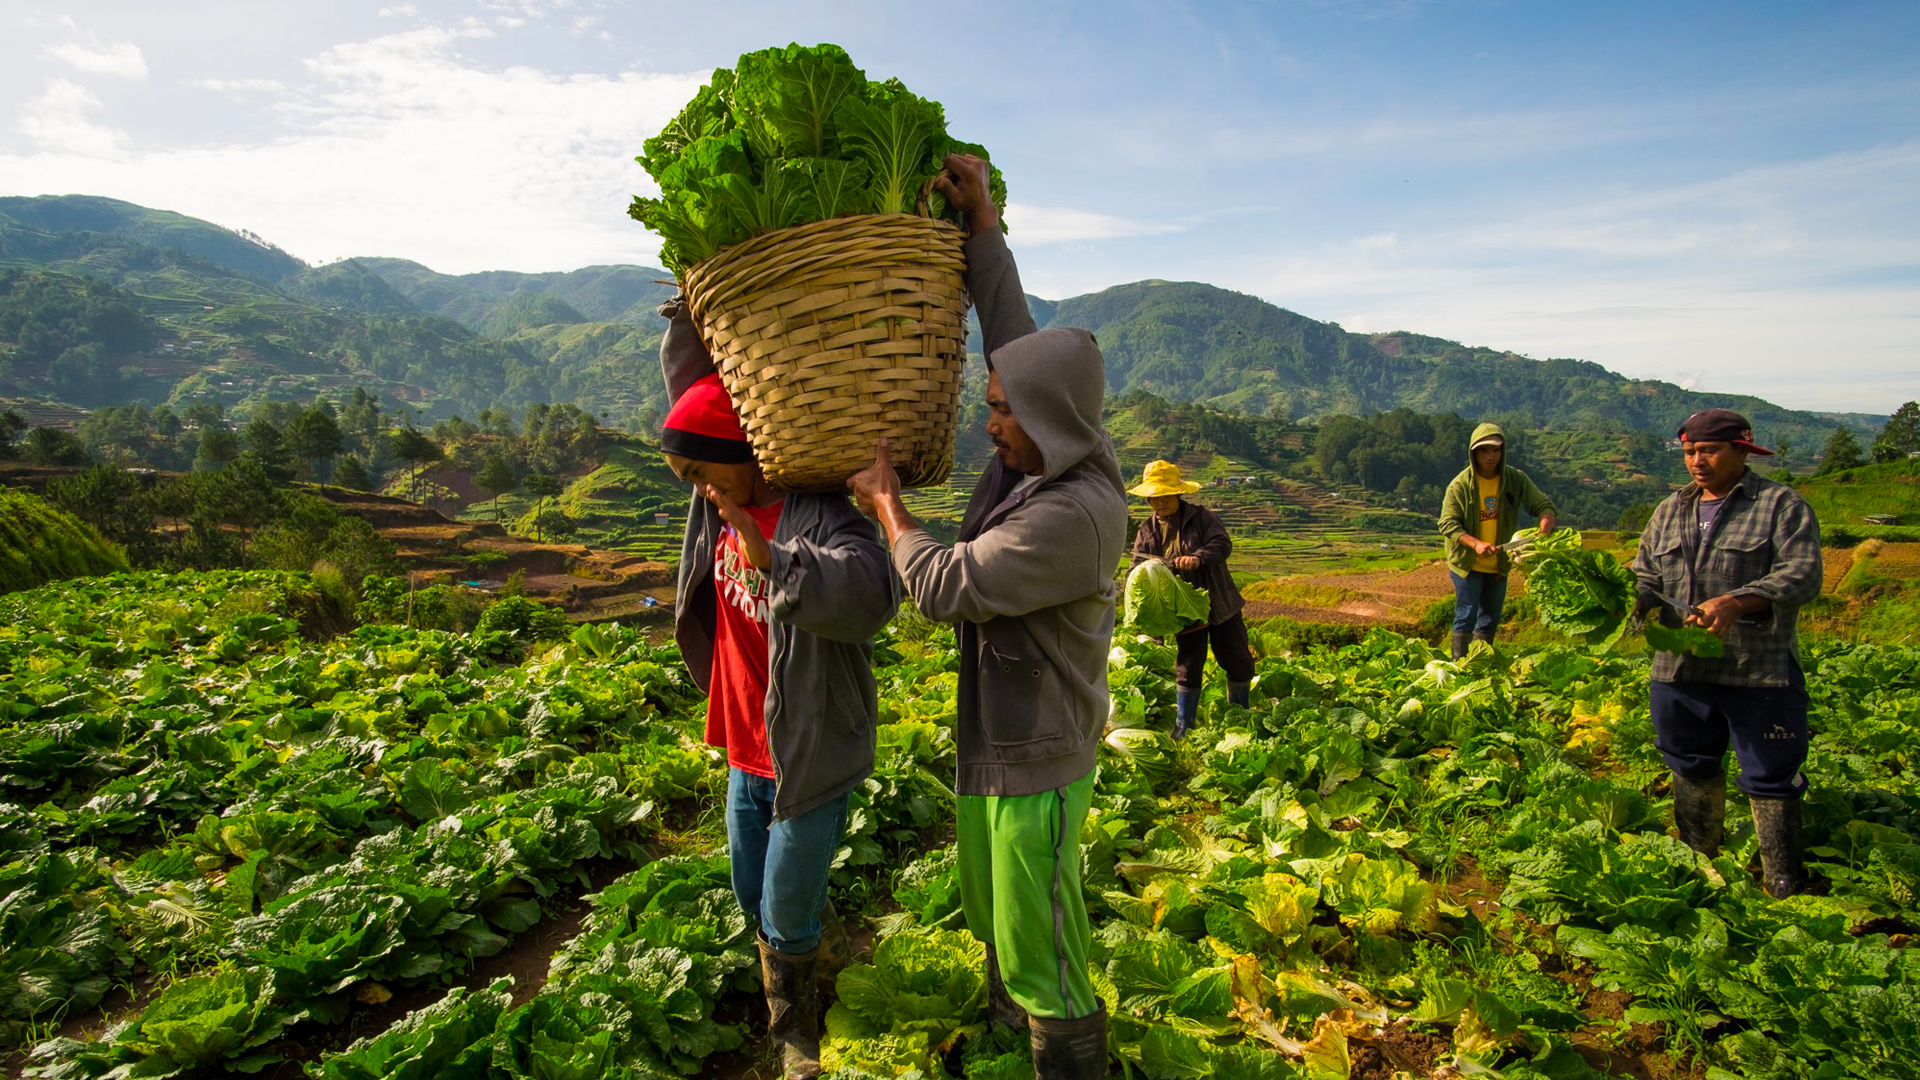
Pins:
x,y
1392,865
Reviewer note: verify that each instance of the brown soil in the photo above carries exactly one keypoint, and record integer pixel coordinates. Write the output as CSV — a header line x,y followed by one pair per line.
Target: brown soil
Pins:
x,y
1397,1050
1267,609
590,585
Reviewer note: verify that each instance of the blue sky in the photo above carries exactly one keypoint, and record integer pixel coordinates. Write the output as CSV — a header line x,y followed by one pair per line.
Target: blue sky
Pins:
x,y
1726,195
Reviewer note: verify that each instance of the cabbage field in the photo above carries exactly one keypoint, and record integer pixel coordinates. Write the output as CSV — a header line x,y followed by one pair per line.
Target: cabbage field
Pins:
x,y
1393,865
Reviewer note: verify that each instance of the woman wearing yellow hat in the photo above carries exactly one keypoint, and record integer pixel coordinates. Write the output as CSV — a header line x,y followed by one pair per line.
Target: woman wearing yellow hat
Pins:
x,y
1195,544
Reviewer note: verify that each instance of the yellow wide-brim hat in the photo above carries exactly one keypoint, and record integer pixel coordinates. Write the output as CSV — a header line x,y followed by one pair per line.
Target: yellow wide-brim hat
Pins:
x,y
1162,478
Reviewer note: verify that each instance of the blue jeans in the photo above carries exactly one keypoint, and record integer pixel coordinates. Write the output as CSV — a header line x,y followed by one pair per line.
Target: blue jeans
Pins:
x,y
780,868
1477,600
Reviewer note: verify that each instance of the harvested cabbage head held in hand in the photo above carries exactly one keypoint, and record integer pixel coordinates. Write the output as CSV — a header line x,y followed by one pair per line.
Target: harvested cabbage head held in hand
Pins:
x,y
1159,603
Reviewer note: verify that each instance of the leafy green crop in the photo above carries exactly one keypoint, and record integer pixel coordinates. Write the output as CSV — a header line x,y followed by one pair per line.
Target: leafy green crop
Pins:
x,y
1584,594
788,136
1159,603
1387,838
924,991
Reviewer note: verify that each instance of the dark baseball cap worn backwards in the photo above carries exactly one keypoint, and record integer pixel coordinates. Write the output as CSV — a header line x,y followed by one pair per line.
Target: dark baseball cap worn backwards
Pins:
x,y
1721,425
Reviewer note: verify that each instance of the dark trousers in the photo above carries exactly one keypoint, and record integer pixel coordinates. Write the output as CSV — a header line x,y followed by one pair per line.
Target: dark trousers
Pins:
x,y
1694,721
1477,600
1230,651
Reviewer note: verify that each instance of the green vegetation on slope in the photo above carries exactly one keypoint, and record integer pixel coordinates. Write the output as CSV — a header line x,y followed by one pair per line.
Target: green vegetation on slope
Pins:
x,y
39,543
1193,341
1845,498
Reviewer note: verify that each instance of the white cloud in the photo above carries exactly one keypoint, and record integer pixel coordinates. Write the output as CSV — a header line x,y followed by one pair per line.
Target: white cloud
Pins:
x,y
1040,225
399,11
398,145
240,86
1725,282
88,54
61,121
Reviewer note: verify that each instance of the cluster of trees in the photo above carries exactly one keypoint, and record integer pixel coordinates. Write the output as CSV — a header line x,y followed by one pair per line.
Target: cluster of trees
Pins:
x,y
233,516
72,331
1413,456
355,443
1899,439
1191,428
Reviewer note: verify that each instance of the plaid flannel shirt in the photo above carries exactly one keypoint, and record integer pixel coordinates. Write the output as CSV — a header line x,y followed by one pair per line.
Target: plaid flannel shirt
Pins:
x,y
1765,542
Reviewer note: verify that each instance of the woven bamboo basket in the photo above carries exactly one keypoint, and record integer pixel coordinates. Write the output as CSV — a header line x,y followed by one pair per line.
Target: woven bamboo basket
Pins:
x,y
832,335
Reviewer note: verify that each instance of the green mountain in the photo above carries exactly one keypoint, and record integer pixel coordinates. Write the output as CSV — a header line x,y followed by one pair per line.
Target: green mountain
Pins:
x,y
1188,341
241,253
620,294
105,303
193,311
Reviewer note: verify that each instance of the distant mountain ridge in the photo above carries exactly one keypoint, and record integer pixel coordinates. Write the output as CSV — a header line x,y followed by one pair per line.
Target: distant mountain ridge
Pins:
x,y
242,319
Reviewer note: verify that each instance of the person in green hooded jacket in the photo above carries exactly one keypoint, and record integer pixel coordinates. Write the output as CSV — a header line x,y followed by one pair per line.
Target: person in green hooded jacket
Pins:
x,y
1478,515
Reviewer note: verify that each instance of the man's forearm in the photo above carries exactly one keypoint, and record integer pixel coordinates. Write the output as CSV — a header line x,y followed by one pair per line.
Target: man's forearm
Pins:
x,y
894,518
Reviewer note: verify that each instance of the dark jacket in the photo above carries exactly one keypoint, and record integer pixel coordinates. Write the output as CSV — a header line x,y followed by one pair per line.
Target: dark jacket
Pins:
x,y
1030,582
1201,534
1764,542
832,591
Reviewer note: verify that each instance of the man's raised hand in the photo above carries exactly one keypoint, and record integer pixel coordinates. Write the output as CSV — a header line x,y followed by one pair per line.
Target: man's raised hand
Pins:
x,y
758,553
966,186
875,482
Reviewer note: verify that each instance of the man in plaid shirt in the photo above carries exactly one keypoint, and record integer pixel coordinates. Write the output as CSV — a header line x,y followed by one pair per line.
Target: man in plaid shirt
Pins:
x,y
1739,555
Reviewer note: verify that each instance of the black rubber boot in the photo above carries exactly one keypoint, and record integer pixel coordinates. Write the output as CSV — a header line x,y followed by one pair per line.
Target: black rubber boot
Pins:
x,y
1459,644
1001,1008
1186,707
793,1009
1239,693
1484,635
1070,1049
836,949
1776,822
1700,812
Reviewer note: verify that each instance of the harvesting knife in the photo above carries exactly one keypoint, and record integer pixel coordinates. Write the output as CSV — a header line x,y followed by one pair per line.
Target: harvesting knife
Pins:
x,y
1678,605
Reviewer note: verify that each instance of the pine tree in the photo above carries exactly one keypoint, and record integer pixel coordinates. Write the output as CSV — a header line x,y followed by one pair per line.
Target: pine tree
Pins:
x,y
496,477
1842,452
541,486
353,473
1901,436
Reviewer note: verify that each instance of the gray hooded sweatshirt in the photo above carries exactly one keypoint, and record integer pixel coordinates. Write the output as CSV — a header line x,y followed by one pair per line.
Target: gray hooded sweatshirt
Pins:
x,y
1030,581
832,591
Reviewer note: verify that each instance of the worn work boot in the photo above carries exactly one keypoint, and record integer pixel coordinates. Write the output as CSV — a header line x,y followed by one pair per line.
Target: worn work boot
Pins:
x,y
1484,635
1776,823
1001,1008
1459,644
836,949
1186,707
1070,1049
1700,812
1238,693
793,1009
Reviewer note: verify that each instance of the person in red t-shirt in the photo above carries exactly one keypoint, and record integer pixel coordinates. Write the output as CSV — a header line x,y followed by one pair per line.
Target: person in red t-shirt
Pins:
x,y
780,597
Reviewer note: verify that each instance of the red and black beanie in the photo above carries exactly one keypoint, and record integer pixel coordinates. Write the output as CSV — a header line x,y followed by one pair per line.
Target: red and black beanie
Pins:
x,y
703,426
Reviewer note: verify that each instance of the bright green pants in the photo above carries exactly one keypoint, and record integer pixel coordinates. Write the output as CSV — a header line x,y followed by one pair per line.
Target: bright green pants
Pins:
x,y
1020,892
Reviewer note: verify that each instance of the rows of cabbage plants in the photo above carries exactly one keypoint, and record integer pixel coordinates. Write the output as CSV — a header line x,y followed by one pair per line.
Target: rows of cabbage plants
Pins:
x,y
1392,864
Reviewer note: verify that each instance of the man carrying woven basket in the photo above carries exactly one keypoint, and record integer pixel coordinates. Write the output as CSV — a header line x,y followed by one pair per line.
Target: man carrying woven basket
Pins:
x,y
1030,585
779,598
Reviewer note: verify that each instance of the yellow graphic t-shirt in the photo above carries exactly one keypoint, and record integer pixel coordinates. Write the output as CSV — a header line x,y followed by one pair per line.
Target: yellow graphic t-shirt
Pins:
x,y
1489,491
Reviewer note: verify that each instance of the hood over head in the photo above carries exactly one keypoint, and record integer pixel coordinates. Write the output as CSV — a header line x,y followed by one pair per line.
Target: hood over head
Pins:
x,y
1485,433
1055,381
